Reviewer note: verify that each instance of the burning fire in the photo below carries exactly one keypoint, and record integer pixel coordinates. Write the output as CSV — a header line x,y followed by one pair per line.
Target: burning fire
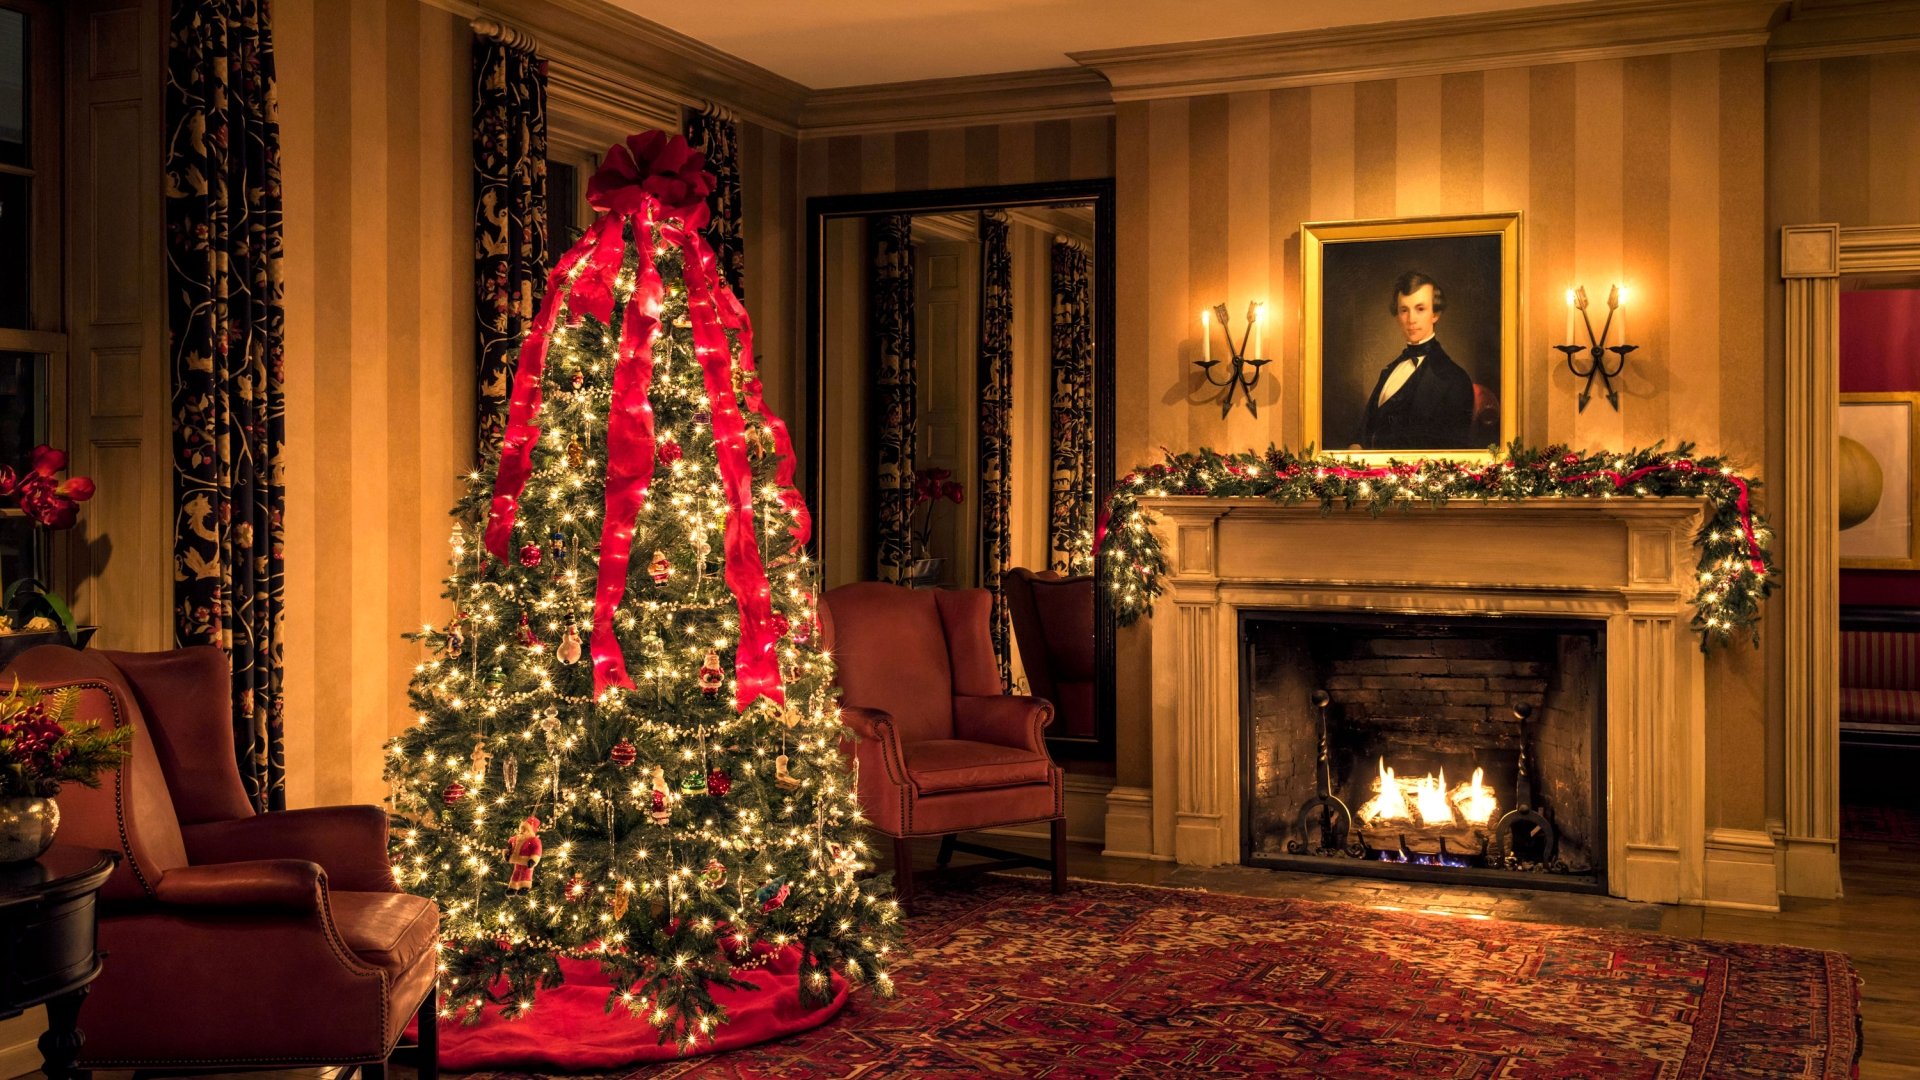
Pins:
x,y
1427,799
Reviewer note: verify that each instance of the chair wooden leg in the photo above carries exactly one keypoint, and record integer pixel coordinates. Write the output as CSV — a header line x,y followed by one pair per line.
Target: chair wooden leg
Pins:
x,y
429,1034
903,873
374,1070
1059,830
946,850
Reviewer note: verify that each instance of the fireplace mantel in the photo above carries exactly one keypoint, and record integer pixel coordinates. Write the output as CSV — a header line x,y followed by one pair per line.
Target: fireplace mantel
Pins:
x,y
1629,562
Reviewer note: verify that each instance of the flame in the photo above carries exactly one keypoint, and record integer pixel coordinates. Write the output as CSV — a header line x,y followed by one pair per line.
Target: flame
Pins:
x,y
1427,798
1475,799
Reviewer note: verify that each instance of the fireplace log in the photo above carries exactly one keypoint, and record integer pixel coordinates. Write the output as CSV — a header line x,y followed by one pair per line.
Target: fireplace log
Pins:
x,y
1423,839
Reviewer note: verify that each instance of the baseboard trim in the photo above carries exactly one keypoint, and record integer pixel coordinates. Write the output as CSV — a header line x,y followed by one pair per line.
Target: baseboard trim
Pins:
x,y
1129,825
1086,798
1743,870
1811,867
20,1042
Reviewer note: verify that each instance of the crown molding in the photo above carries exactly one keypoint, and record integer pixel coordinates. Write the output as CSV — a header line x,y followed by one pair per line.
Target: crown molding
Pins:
x,y
1049,94
1821,31
601,48
587,112
1545,35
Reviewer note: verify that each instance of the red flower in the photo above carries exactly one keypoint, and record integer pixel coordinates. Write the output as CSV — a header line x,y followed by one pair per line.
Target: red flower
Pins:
x,y
653,165
47,499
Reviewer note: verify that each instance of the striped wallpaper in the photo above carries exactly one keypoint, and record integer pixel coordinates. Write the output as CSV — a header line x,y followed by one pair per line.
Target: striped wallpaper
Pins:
x,y
1842,135
374,115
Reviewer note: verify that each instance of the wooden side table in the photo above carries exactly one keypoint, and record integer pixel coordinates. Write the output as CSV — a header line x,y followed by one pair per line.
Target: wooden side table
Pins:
x,y
47,944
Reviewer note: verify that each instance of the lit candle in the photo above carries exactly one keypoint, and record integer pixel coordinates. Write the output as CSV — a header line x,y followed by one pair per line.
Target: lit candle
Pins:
x,y
1206,334
1573,321
1620,317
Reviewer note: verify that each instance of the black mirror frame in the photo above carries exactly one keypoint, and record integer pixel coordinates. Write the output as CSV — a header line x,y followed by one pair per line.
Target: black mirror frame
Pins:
x,y
1099,192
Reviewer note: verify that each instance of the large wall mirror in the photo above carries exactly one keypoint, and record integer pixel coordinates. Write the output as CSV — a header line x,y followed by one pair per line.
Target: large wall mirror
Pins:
x,y
960,417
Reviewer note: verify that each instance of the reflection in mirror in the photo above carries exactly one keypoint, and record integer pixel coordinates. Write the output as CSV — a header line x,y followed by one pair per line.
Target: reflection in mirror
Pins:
x,y
956,394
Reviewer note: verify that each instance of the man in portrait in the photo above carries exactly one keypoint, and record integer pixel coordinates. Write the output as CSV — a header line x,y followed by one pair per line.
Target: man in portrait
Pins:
x,y
1423,400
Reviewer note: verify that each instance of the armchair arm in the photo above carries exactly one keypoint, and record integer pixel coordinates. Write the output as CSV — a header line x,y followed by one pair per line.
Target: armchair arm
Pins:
x,y
877,727
1003,719
349,841
284,885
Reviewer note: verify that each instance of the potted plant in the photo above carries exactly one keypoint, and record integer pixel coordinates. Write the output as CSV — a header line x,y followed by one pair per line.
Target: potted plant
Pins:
x,y
30,613
930,486
42,748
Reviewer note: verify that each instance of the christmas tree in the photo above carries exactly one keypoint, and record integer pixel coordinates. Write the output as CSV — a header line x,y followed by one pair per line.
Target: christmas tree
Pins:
x,y
626,747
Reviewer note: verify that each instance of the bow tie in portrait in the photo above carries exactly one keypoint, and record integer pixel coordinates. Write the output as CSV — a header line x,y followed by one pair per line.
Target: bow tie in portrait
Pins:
x,y
1411,352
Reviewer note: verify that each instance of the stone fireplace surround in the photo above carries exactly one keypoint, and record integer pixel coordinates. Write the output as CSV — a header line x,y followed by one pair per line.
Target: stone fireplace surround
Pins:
x,y
1629,562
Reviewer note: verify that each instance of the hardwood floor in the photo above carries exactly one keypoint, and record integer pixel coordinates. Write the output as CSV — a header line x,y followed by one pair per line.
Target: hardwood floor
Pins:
x,y
1877,924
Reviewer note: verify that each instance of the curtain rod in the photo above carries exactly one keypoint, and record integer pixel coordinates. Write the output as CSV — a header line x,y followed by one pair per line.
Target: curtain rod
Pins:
x,y
511,35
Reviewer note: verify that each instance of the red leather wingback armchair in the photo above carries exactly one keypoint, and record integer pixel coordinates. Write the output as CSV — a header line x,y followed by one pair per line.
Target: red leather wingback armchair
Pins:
x,y
942,749
232,939
1053,624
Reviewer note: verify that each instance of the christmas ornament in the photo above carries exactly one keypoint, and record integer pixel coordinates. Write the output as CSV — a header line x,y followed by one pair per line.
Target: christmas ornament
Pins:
x,y
670,452
576,890
496,678
523,853
790,717
456,640
659,569
652,647
620,901
526,632
714,874
781,776
454,793
579,379
781,624
711,678
623,753
509,773
694,783
719,783
480,757
803,631
845,860
657,808
530,556
557,544
773,894
569,650
576,456
550,721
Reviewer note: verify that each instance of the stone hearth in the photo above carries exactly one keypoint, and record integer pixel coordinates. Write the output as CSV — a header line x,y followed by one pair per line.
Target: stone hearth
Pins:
x,y
1627,562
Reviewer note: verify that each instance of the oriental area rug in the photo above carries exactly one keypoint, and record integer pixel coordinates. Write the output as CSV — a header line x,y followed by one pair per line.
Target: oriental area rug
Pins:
x,y
1111,981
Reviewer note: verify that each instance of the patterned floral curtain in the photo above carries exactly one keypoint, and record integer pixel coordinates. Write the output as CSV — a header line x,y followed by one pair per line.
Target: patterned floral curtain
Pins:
x,y
509,211
996,427
897,388
224,313
1070,500
711,130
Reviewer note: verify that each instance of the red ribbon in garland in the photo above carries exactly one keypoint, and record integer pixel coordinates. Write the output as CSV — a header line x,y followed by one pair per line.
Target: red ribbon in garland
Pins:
x,y
630,462
756,668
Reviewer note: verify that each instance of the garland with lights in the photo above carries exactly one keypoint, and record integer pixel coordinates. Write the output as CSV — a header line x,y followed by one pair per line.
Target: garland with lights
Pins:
x,y
627,739
1736,568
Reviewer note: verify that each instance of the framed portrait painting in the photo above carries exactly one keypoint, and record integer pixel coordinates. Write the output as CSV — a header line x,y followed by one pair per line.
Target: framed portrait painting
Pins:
x,y
1879,455
1411,334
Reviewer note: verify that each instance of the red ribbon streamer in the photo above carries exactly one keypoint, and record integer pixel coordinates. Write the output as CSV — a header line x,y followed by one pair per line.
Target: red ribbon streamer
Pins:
x,y
630,459
756,669
734,317
522,432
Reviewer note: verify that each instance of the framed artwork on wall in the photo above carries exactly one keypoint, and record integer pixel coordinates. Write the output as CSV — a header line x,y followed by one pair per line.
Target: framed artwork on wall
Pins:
x,y
1879,440
1412,335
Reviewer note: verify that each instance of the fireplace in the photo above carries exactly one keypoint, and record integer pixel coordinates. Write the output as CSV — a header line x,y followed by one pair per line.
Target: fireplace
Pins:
x,y
1453,748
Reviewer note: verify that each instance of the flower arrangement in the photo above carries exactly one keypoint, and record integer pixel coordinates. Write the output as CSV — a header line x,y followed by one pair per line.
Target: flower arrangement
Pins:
x,y
42,748
930,486
50,503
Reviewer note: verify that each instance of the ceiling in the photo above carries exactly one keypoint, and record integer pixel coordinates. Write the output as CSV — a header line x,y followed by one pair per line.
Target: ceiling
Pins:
x,y
854,42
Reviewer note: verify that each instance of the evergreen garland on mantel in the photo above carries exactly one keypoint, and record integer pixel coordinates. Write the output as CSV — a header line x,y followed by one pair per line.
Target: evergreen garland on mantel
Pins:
x,y
1736,569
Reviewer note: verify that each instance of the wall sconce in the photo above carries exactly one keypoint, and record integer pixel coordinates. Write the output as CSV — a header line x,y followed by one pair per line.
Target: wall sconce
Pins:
x,y
1245,372
1596,347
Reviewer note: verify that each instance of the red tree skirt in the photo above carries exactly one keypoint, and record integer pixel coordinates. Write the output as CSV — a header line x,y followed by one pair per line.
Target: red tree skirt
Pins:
x,y
570,1030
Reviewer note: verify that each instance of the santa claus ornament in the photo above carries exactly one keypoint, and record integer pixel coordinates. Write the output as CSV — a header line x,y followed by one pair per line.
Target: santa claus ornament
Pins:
x,y
523,853
711,677
659,569
657,802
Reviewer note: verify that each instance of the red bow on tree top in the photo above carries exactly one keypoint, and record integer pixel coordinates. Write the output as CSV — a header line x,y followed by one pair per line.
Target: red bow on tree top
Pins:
x,y
652,165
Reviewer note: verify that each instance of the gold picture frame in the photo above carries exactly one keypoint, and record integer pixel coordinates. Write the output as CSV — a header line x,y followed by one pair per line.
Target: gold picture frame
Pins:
x,y
1348,270
1888,537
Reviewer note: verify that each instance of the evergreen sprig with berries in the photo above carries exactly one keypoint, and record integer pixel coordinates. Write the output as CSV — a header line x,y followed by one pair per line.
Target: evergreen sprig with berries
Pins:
x,y
41,748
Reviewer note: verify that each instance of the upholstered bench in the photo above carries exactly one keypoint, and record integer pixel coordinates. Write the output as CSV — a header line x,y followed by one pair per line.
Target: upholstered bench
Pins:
x,y
1880,682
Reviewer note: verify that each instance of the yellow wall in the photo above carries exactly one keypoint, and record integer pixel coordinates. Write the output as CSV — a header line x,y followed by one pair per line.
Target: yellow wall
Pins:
x,y
375,114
